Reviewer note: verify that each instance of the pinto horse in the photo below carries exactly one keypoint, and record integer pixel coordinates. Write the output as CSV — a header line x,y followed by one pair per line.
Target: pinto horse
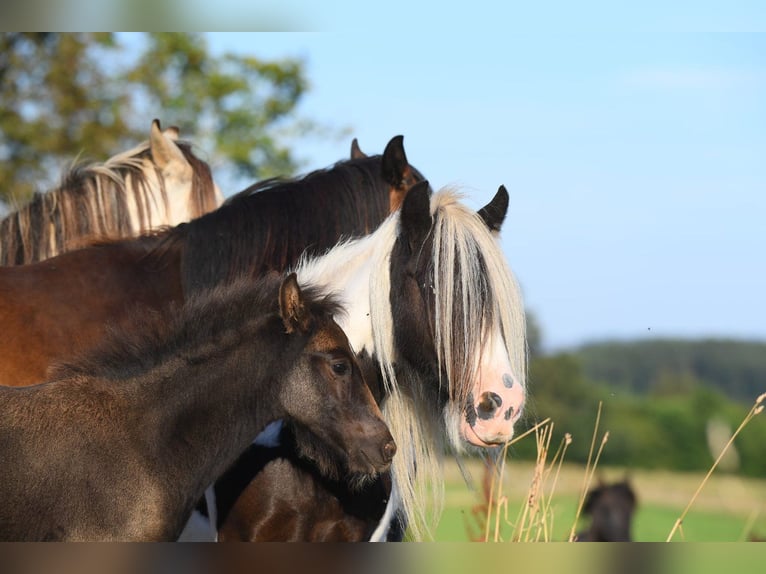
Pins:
x,y
435,313
121,444
158,183
52,309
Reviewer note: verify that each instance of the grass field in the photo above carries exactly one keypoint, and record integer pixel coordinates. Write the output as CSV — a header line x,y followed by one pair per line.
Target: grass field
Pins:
x,y
728,509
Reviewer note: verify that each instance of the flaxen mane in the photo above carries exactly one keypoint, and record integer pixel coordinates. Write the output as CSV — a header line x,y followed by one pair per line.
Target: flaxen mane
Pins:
x,y
93,200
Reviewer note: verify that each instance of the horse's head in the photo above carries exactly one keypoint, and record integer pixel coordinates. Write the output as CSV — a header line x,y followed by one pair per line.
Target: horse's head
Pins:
x,y
457,313
171,167
396,171
326,396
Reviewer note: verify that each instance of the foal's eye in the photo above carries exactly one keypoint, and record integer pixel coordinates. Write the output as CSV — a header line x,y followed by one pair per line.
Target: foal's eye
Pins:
x,y
340,368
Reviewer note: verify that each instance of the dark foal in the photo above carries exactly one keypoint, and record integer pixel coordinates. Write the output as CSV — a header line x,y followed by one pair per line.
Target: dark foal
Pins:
x,y
121,444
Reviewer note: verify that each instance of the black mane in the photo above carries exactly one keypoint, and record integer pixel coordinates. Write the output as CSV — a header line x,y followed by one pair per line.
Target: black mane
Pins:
x,y
269,225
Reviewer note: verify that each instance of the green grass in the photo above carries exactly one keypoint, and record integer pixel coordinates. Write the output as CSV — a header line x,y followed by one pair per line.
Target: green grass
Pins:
x,y
727,507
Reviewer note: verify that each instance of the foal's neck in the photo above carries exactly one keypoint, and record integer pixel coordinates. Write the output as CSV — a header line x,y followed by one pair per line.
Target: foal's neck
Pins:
x,y
202,416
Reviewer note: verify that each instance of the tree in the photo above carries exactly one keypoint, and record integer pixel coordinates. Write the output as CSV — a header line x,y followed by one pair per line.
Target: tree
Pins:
x,y
95,94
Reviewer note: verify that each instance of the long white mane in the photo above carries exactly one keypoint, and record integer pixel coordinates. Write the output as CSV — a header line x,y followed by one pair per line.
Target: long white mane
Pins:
x,y
471,280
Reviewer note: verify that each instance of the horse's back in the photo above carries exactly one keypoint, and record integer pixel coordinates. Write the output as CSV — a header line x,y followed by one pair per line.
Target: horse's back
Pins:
x,y
55,308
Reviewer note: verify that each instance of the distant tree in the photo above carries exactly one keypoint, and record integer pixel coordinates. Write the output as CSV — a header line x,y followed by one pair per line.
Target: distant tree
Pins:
x,y
95,94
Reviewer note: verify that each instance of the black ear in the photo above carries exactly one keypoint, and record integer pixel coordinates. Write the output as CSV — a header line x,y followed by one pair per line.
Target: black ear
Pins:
x,y
494,212
415,215
291,307
356,151
395,166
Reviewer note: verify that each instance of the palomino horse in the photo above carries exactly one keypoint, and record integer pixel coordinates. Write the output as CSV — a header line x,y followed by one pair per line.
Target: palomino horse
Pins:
x,y
52,309
611,508
434,311
120,444
159,183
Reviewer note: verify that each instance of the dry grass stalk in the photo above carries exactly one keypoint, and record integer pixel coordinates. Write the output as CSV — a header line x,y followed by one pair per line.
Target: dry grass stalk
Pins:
x,y
535,519
590,470
756,409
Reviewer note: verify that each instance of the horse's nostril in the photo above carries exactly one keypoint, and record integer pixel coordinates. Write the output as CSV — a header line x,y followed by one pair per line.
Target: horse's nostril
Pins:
x,y
389,450
489,404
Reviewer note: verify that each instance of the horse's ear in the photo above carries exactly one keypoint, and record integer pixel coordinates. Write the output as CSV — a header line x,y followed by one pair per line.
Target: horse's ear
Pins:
x,y
356,151
163,148
494,212
291,307
415,218
395,168
171,132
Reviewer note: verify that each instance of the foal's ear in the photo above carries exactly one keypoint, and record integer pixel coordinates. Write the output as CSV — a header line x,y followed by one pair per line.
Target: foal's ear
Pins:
x,y
164,150
494,212
356,151
291,307
395,167
415,215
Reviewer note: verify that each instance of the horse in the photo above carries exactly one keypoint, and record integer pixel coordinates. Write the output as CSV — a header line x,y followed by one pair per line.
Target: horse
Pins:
x,y
271,224
52,309
434,311
611,507
120,443
158,183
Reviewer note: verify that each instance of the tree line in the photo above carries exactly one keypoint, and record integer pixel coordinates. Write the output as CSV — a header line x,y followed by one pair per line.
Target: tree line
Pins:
x,y
662,402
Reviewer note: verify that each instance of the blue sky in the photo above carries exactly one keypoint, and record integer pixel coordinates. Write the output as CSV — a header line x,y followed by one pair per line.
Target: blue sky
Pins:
x,y
635,162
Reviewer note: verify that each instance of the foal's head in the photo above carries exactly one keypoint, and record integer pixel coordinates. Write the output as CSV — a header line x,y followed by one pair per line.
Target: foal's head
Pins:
x,y
325,395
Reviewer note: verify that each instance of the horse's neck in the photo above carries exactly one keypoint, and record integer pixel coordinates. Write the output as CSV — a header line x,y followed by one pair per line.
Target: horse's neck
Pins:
x,y
349,270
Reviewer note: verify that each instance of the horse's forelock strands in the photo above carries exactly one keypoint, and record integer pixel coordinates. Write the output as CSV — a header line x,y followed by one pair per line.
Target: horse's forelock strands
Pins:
x,y
474,289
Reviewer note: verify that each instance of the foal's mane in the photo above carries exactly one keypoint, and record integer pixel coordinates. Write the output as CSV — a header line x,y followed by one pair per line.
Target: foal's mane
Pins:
x,y
268,225
93,200
208,323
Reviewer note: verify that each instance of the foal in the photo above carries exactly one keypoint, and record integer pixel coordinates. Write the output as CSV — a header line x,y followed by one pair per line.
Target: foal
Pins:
x,y
121,444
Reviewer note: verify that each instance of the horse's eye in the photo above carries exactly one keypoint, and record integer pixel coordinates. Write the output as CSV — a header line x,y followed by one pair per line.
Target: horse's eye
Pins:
x,y
340,367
